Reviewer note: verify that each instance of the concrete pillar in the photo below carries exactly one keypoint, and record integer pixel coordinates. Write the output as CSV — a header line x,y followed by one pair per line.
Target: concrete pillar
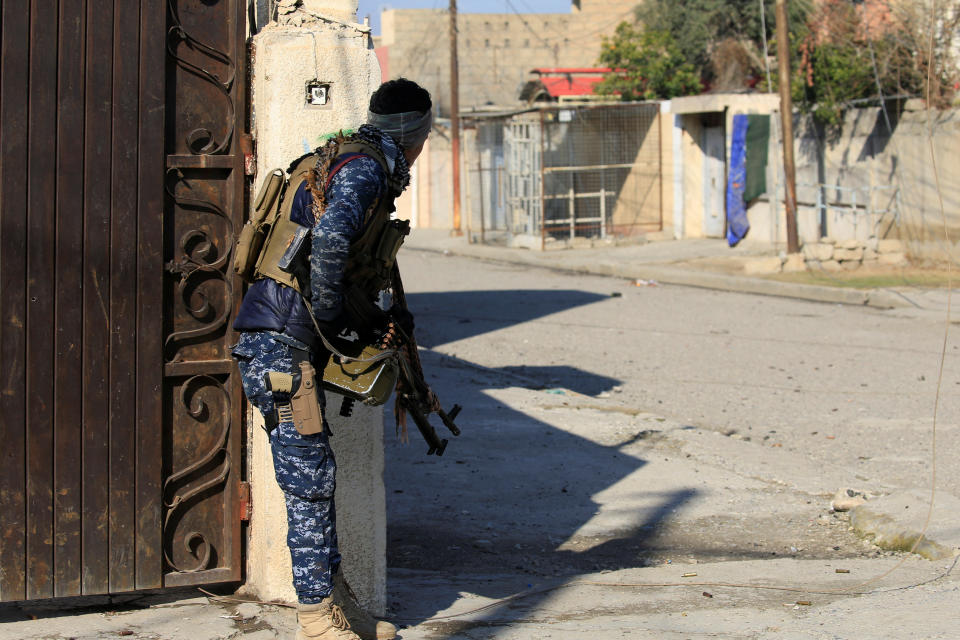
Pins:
x,y
316,41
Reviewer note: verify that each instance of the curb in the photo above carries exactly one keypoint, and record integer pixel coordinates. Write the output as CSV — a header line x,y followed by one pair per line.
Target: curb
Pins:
x,y
878,298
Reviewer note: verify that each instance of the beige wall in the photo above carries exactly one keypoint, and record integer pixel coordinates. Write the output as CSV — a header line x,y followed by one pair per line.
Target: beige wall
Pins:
x,y
692,176
428,202
496,51
638,209
439,181
865,155
301,48
666,123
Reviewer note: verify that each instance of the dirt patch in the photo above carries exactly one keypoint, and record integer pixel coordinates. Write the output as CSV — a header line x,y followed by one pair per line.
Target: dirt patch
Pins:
x,y
874,278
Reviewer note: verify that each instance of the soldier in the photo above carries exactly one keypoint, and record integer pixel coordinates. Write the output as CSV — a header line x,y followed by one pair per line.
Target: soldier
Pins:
x,y
345,196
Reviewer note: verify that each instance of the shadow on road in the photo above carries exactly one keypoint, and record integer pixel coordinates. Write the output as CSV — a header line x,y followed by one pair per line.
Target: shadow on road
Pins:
x,y
458,315
513,494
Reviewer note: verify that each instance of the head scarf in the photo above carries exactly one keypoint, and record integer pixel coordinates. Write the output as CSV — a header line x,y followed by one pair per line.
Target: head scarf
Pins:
x,y
409,128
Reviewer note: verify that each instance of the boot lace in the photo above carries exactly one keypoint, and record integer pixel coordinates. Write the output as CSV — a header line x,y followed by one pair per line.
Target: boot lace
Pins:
x,y
338,618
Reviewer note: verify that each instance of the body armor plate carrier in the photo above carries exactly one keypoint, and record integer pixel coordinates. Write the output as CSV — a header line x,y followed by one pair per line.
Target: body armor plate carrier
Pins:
x,y
272,245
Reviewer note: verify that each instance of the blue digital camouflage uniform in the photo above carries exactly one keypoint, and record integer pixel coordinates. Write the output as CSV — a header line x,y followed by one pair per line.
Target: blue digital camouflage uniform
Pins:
x,y
304,465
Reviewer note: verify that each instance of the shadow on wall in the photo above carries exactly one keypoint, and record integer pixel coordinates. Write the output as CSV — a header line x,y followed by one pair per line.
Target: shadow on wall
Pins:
x,y
512,493
883,129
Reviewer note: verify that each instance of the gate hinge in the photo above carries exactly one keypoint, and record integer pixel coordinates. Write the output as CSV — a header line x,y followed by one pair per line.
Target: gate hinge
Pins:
x,y
246,503
249,155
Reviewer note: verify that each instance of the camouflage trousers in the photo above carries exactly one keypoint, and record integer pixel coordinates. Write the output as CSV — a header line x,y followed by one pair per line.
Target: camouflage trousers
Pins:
x,y
304,467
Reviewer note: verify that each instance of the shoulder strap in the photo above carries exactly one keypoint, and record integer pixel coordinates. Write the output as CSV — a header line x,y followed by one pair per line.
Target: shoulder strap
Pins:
x,y
339,163
352,150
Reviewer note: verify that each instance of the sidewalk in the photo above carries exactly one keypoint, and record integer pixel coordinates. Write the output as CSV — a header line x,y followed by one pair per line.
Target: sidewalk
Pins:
x,y
704,263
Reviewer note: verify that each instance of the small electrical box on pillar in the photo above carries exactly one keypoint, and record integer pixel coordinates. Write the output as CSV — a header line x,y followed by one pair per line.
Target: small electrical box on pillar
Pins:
x,y
318,93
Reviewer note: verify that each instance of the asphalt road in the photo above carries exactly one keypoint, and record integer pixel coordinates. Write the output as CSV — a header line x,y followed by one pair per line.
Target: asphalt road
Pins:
x,y
621,433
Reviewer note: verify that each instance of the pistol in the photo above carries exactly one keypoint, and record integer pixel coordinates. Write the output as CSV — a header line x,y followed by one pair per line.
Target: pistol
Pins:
x,y
296,398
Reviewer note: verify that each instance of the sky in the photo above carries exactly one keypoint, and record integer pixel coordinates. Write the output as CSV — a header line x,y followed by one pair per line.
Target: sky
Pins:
x,y
373,8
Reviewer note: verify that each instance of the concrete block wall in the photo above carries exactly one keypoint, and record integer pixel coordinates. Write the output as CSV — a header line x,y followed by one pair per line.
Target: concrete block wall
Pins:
x,y
864,153
316,40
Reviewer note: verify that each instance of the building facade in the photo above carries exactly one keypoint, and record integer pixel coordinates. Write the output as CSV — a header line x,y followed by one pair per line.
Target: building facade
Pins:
x,y
496,51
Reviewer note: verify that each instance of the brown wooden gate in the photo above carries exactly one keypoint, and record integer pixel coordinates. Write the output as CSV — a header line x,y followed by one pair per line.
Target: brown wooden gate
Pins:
x,y
121,183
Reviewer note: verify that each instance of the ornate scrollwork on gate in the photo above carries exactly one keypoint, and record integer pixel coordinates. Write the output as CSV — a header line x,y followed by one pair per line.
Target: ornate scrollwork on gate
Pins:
x,y
201,141
204,203
194,480
200,260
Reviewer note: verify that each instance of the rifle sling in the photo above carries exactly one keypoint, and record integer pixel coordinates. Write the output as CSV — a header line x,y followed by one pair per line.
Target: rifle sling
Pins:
x,y
383,355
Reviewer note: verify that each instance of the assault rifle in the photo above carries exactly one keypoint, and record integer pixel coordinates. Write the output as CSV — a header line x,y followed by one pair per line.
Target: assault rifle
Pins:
x,y
414,395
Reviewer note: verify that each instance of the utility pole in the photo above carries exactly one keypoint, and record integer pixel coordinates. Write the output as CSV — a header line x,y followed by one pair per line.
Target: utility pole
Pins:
x,y
455,118
786,118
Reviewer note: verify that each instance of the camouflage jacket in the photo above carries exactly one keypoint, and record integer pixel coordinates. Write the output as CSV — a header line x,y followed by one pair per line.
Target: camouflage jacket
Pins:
x,y
357,185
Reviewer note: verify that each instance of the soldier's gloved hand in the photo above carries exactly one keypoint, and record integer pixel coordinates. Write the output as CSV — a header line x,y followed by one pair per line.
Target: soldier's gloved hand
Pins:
x,y
333,328
403,319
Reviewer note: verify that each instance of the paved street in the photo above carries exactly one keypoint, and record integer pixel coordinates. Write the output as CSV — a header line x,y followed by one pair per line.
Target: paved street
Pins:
x,y
638,462
633,434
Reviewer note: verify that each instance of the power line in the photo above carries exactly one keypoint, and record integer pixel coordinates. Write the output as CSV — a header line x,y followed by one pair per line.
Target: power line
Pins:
x,y
526,24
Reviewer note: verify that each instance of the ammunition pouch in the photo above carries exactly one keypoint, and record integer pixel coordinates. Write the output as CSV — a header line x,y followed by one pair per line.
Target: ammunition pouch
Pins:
x,y
282,254
283,257
369,378
371,258
249,245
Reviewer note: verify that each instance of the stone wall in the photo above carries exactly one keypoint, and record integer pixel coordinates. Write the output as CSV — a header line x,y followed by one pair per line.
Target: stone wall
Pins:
x,y
831,255
850,255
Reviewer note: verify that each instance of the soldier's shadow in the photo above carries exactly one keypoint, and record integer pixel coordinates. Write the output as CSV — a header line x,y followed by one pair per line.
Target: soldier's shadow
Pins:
x,y
507,505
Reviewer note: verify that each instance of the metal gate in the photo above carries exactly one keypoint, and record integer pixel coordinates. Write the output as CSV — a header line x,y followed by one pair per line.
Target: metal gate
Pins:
x,y
121,183
580,172
521,138
601,171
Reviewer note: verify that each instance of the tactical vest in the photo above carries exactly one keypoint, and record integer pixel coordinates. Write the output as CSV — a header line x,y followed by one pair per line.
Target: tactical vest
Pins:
x,y
272,245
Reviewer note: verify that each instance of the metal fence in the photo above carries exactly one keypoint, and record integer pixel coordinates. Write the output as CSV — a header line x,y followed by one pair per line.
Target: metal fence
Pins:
x,y
549,177
859,210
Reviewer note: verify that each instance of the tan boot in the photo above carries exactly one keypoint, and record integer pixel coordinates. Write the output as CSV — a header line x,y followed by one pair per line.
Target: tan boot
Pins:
x,y
361,622
323,621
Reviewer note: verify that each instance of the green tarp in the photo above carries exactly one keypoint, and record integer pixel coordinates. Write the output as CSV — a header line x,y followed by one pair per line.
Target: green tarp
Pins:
x,y
758,141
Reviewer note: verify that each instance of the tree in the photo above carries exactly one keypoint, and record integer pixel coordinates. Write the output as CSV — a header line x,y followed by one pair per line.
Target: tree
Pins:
x,y
706,29
854,54
647,65
678,48
926,48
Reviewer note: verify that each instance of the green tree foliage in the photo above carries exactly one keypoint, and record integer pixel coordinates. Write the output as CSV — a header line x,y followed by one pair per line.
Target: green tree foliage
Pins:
x,y
700,26
675,47
647,65
843,52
